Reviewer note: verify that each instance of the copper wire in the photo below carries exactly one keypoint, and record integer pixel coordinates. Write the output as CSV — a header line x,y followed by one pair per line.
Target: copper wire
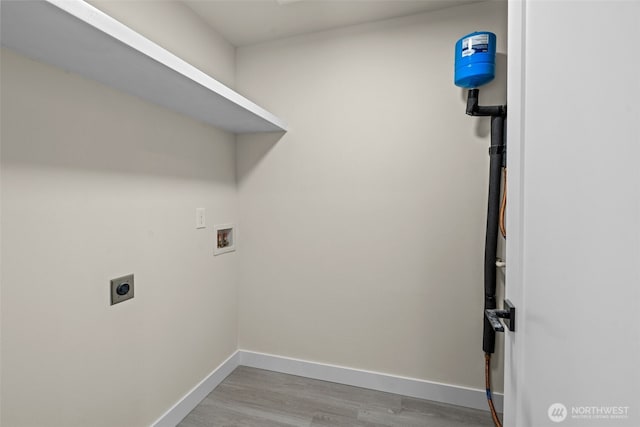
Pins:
x,y
503,205
487,381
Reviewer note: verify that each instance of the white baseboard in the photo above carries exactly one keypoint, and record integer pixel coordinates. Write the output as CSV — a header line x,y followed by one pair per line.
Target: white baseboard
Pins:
x,y
181,409
439,392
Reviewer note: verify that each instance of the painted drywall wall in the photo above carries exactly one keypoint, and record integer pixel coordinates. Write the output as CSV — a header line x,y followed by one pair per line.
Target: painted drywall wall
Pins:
x,y
363,227
576,258
177,28
97,184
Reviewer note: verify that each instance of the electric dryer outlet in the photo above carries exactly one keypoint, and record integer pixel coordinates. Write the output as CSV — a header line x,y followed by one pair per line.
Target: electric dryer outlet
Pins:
x,y
122,289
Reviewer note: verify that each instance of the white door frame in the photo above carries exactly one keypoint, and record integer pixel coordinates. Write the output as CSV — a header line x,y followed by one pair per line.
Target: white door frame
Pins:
x,y
514,282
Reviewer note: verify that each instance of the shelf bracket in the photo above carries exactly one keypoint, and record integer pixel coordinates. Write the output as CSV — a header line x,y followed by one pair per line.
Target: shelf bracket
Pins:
x,y
508,314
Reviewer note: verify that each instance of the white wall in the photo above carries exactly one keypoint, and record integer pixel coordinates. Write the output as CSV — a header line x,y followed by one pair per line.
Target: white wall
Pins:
x,y
574,260
97,184
177,28
363,227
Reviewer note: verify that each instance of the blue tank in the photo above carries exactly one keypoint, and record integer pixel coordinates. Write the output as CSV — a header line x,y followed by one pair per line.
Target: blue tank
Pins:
x,y
475,63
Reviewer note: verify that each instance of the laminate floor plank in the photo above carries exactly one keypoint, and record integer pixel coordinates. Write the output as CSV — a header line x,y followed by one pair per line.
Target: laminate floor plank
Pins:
x,y
294,405
451,415
214,415
332,420
252,397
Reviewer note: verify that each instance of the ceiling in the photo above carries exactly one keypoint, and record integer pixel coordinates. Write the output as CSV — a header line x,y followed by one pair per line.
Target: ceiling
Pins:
x,y
244,22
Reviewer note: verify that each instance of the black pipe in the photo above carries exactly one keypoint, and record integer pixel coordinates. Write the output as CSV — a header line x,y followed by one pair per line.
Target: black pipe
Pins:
x,y
496,155
496,163
473,109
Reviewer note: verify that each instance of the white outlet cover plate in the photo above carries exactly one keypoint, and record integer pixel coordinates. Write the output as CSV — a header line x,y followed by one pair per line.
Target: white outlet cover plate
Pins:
x,y
200,218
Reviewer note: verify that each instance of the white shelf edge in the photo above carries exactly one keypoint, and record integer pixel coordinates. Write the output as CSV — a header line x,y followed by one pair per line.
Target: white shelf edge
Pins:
x,y
59,32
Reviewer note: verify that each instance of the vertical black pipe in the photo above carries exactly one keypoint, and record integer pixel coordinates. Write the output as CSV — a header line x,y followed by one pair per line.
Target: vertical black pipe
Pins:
x,y
496,153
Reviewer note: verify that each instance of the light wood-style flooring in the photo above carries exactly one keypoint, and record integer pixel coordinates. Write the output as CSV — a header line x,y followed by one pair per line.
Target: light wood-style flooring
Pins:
x,y
252,397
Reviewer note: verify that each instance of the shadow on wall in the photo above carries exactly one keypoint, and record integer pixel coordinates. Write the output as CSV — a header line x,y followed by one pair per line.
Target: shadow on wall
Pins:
x,y
494,93
252,150
56,120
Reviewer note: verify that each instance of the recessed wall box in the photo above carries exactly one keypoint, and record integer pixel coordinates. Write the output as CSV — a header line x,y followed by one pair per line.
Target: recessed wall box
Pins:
x,y
225,238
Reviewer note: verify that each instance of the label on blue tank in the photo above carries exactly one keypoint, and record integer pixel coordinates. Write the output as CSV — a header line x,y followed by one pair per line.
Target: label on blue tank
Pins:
x,y
478,43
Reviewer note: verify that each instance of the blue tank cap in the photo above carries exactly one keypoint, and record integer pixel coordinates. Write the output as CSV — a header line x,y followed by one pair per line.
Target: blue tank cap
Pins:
x,y
475,59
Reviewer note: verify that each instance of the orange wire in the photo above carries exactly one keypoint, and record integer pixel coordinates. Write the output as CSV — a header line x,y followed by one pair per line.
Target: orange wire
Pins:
x,y
487,382
503,206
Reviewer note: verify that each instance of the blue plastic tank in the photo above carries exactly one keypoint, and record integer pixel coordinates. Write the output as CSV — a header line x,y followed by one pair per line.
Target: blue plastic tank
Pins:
x,y
475,63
